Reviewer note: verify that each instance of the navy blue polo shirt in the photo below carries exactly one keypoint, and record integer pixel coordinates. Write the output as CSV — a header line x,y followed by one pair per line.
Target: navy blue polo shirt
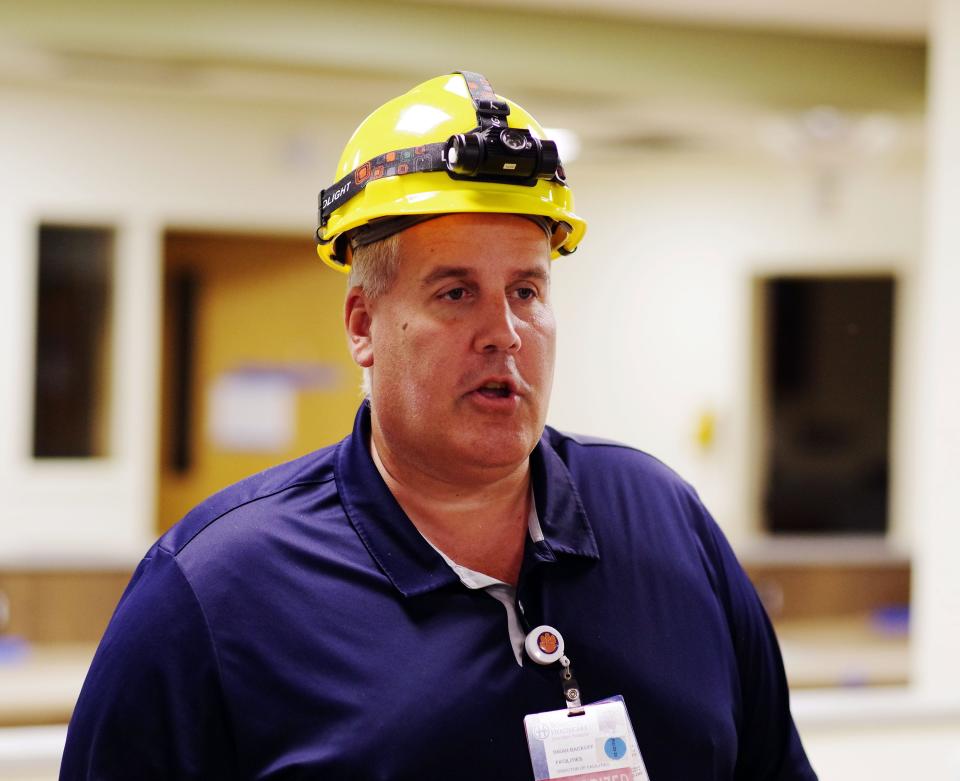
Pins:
x,y
297,626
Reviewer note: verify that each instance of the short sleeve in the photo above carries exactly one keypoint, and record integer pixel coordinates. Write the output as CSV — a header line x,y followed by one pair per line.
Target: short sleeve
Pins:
x,y
152,705
769,745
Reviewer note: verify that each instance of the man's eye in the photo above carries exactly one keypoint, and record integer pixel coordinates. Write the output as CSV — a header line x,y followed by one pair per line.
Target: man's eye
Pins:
x,y
526,293
456,294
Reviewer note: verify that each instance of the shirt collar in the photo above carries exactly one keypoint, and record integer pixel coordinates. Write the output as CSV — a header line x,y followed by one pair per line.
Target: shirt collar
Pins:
x,y
406,558
477,580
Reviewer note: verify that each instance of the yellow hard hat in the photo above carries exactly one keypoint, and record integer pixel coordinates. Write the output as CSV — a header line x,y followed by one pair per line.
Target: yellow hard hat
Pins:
x,y
448,145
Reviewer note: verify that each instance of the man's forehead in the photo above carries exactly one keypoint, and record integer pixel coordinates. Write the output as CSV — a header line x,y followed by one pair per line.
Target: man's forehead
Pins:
x,y
466,228
433,273
461,244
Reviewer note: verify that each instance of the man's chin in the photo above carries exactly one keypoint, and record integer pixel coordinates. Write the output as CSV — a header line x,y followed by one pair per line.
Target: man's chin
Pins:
x,y
499,449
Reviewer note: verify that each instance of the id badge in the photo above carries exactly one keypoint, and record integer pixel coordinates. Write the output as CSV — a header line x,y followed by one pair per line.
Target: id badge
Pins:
x,y
592,743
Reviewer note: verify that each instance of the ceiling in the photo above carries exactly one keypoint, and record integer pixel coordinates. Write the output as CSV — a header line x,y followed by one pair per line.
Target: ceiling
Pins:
x,y
803,48
904,20
887,19
638,74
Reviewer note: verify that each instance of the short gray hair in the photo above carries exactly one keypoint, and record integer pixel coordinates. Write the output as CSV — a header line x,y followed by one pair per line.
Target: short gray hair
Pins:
x,y
373,267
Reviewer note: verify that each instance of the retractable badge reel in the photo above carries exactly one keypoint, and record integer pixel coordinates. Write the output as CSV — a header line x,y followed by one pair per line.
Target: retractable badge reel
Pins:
x,y
544,645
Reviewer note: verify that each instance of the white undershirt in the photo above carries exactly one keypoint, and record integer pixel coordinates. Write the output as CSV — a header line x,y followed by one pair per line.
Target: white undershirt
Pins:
x,y
504,593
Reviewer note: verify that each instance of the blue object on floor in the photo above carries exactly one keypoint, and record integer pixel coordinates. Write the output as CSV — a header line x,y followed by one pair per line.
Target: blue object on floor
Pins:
x,y
893,620
13,649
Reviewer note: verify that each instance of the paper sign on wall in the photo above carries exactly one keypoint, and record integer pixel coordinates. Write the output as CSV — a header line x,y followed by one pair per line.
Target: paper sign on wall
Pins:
x,y
252,412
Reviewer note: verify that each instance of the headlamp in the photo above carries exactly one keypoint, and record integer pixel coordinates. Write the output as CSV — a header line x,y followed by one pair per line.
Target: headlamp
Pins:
x,y
501,154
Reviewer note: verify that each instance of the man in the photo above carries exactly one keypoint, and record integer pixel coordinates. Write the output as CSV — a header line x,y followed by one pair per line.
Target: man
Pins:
x,y
365,612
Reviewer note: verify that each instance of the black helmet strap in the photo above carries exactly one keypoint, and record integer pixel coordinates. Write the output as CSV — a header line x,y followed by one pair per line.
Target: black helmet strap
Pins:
x,y
491,112
412,160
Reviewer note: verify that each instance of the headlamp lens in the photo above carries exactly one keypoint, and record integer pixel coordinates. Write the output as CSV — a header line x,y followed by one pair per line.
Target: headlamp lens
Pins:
x,y
464,154
514,140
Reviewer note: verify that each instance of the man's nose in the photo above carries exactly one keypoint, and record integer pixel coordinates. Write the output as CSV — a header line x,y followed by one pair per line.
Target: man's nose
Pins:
x,y
497,329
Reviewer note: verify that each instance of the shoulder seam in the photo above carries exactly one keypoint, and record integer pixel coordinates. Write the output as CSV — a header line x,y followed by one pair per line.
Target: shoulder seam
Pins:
x,y
623,446
596,441
213,644
229,510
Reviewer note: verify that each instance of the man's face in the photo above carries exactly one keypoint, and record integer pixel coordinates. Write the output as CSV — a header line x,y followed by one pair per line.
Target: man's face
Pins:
x,y
461,347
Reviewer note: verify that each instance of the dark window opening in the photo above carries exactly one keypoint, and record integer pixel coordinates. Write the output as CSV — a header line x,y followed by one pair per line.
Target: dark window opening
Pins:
x,y
71,383
828,361
182,292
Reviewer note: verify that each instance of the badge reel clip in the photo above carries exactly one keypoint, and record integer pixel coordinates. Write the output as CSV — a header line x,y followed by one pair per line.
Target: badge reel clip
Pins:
x,y
544,645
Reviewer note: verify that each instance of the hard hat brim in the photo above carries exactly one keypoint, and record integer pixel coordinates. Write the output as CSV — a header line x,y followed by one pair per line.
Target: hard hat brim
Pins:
x,y
437,193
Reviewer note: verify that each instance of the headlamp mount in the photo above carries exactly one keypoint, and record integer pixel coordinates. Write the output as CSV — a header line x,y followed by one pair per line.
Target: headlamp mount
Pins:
x,y
495,152
490,152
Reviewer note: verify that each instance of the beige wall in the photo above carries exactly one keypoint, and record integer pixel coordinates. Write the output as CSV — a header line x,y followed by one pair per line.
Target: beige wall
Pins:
x,y
656,309
933,448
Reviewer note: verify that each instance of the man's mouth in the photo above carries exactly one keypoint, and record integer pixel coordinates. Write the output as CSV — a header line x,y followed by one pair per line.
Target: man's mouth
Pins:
x,y
495,390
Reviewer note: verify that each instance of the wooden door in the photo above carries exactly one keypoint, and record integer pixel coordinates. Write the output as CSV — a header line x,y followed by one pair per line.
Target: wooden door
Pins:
x,y
255,364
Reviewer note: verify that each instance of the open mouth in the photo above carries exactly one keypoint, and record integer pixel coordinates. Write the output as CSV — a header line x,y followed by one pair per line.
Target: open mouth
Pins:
x,y
495,390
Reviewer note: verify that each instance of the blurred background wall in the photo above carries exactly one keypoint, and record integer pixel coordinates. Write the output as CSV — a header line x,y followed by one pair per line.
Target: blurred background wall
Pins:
x,y
754,303
706,158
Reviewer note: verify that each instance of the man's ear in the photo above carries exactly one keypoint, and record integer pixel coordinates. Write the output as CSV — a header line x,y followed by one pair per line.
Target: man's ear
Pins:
x,y
357,319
